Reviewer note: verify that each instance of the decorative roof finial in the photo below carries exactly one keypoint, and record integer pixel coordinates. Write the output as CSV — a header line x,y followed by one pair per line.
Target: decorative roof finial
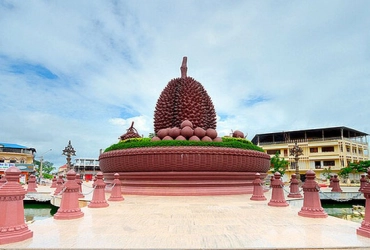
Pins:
x,y
184,67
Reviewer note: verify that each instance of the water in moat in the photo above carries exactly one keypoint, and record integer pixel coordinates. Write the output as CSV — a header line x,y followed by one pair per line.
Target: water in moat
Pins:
x,y
352,210
38,211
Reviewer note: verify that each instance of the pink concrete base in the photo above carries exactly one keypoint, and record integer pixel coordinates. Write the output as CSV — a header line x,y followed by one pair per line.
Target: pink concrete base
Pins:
x,y
2,180
277,196
336,185
12,224
69,206
364,230
363,182
60,185
294,189
98,200
116,193
54,182
31,188
185,183
258,192
311,200
79,182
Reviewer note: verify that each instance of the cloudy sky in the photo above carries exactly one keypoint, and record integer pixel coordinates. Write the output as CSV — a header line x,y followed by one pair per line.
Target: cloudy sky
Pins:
x,y
84,70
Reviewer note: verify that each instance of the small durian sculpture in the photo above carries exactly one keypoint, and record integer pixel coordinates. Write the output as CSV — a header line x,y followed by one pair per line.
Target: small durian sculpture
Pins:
x,y
131,133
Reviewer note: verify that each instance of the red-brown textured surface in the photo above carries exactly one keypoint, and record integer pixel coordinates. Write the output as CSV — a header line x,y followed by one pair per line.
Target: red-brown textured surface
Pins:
x,y
12,225
188,170
187,158
185,183
69,208
311,201
184,99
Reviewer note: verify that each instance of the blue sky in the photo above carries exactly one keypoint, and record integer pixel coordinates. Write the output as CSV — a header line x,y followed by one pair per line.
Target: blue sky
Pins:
x,y
84,70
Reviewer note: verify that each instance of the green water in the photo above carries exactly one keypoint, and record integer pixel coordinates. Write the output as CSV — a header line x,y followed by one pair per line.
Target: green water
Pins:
x,y
353,212
38,211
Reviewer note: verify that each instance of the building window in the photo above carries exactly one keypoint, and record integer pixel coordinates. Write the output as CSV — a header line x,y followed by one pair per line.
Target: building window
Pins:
x,y
317,164
327,149
273,151
13,161
314,150
329,163
348,149
285,152
292,165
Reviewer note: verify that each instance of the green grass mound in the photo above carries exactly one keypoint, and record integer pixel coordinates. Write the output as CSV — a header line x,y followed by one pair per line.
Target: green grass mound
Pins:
x,y
228,142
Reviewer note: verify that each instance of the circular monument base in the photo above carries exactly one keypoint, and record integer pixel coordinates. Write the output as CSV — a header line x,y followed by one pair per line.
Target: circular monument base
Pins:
x,y
185,183
190,170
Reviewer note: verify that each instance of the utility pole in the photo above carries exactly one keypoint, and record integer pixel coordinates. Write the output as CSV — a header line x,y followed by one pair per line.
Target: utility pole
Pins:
x,y
41,160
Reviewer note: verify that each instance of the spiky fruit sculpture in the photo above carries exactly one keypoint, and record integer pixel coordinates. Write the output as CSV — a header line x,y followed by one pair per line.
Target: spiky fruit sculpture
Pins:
x,y
184,99
131,133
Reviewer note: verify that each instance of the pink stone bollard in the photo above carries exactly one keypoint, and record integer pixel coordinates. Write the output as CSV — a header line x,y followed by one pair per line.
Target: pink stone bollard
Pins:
x,y
294,189
31,188
331,181
271,180
54,182
364,229
2,180
79,182
336,186
69,206
277,197
363,182
311,200
116,194
258,194
12,224
60,185
98,200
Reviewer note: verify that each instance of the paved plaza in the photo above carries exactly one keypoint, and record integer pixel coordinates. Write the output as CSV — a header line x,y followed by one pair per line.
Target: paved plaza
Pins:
x,y
193,222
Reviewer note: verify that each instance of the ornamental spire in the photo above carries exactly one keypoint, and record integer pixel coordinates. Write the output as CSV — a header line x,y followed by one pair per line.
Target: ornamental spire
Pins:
x,y
184,67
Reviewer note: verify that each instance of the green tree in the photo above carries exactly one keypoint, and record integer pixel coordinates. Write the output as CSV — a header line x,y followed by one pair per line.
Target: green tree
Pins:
x,y
47,169
278,164
354,167
326,172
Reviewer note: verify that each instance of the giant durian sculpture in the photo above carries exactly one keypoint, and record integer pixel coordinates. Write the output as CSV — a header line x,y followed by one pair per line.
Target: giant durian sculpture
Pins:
x,y
184,99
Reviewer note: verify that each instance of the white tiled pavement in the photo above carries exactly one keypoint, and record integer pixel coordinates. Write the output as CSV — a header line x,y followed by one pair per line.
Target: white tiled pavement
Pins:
x,y
193,222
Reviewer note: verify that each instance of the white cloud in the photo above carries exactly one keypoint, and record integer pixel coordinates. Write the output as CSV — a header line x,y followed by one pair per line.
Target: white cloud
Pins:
x,y
267,67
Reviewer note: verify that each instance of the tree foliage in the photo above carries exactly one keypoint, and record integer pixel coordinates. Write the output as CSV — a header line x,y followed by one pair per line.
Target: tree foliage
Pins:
x,y
278,164
47,169
354,167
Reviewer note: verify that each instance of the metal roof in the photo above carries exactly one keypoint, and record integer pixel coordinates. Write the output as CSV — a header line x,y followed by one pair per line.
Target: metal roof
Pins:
x,y
347,132
11,145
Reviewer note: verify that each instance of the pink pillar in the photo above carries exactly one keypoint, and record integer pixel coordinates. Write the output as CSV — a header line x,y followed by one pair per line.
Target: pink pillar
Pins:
x,y
364,229
31,188
69,207
271,180
116,194
54,182
277,197
363,182
336,186
60,185
331,181
294,189
79,182
258,194
98,199
12,224
311,199
2,180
